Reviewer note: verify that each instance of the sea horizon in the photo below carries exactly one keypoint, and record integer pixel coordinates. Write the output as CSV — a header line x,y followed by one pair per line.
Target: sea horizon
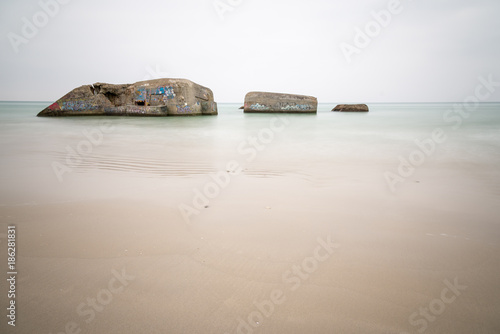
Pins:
x,y
357,191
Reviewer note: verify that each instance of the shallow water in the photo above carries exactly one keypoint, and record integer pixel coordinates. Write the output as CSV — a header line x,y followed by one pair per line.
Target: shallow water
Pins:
x,y
164,149
90,195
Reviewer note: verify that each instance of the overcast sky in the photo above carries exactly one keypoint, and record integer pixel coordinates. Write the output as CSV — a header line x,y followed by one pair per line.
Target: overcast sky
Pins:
x,y
424,51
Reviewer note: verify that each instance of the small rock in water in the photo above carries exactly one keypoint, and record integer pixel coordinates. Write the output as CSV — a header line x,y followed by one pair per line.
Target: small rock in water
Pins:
x,y
351,107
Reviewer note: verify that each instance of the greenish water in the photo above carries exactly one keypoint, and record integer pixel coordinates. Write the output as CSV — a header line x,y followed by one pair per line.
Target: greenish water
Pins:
x,y
53,159
410,194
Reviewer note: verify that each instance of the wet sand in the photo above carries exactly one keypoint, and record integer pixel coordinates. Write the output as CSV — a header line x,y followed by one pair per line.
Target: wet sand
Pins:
x,y
307,239
255,255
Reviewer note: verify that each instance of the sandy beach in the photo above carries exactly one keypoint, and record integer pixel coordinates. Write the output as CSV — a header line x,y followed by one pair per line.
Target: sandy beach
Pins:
x,y
293,258
250,167
307,237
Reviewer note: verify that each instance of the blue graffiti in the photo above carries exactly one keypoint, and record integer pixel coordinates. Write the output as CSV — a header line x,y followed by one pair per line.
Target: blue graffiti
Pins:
x,y
297,107
78,105
143,94
185,109
167,91
259,106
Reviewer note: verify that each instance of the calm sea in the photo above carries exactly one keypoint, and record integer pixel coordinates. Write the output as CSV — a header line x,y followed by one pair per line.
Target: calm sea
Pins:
x,y
46,160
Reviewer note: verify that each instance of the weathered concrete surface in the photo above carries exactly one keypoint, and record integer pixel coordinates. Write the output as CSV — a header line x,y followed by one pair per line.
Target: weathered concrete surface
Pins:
x,y
262,102
160,97
351,107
